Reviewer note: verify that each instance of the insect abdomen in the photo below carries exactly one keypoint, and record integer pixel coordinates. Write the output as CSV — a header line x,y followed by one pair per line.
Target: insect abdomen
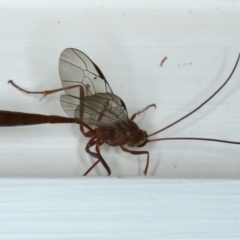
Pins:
x,y
9,119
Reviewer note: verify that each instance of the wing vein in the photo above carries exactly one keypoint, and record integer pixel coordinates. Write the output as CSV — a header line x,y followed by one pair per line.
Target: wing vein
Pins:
x,y
94,104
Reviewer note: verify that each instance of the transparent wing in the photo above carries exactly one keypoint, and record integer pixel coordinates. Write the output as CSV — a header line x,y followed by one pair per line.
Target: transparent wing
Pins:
x,y
100,109
76,68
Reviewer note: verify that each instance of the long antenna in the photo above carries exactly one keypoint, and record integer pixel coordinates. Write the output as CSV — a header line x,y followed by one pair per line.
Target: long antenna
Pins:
x,y
193,138
180,119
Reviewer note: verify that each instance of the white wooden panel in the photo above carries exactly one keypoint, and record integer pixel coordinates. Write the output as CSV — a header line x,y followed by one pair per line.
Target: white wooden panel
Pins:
x,y
110,208
127,40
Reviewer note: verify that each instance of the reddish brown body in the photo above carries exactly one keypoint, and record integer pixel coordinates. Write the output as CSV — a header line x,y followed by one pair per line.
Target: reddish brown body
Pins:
x,y
133,136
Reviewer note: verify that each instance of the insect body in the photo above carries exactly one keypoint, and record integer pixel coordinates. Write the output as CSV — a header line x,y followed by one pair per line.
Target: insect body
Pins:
x,y
90,102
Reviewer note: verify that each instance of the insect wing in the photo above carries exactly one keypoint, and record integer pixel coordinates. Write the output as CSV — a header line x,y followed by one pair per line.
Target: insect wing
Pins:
x,y
100,109
76,68
96,105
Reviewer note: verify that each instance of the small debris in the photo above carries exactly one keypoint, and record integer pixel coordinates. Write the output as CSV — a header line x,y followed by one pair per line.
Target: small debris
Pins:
x,y
174,165
162,62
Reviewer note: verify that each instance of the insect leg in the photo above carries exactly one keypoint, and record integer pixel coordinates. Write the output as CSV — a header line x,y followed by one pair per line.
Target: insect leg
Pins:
x,y
82,94
45,92
138,153
91,168
138,113
89,133
94,141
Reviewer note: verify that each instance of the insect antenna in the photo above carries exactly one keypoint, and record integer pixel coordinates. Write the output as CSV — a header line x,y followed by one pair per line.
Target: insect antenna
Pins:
x,y
193,138
187,115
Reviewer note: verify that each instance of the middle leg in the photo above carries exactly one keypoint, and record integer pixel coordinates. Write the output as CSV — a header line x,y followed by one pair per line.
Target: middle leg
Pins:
x,y
97,154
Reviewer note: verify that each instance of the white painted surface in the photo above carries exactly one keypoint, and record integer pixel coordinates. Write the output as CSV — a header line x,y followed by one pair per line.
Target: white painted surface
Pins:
x,y
127,41
110,208
128,45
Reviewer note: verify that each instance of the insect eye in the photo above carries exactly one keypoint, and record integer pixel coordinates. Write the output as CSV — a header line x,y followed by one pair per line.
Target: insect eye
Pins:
x,y
143,144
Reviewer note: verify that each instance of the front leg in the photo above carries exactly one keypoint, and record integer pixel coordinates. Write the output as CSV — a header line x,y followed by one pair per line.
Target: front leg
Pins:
x,y
138,153
139,112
